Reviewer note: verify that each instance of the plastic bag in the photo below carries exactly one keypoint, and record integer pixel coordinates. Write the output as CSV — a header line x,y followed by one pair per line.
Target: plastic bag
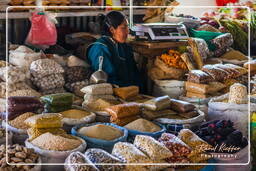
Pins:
x,y
223,41
181,106
42,31
193,141
158,103
175,145
199,76
123,110
126,92
98,89
48,120
154,149
100,156
58,99
130,153
78,158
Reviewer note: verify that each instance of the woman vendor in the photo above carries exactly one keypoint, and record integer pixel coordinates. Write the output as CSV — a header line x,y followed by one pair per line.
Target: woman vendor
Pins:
x,y
118,60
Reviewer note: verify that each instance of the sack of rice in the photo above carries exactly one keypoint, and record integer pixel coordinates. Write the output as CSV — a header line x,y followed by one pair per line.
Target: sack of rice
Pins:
x,y
19,122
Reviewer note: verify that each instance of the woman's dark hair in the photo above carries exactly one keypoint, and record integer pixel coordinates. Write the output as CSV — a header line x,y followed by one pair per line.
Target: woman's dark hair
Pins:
x,y
113,18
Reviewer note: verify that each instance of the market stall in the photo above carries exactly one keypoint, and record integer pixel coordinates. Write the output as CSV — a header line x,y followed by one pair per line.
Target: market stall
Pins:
x,y
194,111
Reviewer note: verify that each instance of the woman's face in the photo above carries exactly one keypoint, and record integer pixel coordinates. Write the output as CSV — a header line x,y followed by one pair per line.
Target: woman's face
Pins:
x,y
120,34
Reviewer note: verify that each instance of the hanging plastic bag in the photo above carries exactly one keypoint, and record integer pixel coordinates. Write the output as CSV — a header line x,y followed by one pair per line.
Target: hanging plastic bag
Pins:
x,y
42,31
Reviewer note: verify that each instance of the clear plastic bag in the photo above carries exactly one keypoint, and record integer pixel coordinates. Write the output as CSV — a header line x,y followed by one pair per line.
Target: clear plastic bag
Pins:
x,y
175,145
98,89
78,158
97,155
123,110
42,31
154,149
158,103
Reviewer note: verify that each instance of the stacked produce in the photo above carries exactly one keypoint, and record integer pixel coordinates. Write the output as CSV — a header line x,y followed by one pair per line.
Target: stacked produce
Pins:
x,y
79,2
221,133
126,93
234,21
13,78
18,154
57,102
23,56
76,78
206,82
47,76
123,114
98,96
157,107
22,2
168,66
184,109
55,2
46,133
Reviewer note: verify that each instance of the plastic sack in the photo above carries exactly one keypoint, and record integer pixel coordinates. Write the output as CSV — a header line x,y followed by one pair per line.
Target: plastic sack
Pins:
x,y
51,156
237,113
158,103
23,56
98,89
131,154
123,110
58,99
49,82
78,158
154,149
207,36
48,120
97,143
223,41
43,67
175,145
100,156
42,31
126,92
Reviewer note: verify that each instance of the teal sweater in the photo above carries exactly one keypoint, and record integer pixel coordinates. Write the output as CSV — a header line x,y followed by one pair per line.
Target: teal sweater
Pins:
x,y
118,62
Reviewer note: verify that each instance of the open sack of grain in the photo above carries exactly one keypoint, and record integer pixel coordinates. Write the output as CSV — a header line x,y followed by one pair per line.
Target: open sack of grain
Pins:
x,y
101,135
232,106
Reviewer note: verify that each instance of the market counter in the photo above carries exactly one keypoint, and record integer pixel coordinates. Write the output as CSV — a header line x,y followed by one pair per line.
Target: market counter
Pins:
x,y
151,49
147,51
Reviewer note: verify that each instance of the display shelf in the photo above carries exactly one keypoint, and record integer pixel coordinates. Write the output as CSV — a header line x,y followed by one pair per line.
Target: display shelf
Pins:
x,y
22,15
